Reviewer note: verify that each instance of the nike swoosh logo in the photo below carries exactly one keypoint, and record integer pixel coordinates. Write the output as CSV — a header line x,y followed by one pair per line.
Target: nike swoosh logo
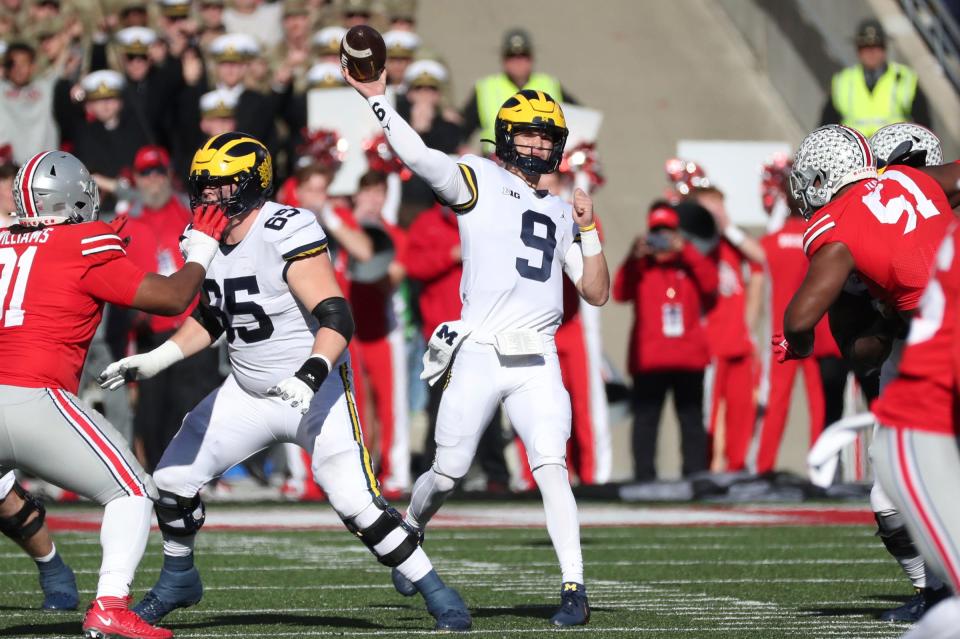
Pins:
x,y
105,621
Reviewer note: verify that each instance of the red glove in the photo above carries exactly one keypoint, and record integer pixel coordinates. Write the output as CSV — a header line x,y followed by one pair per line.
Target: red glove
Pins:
x,y
209,220
782,349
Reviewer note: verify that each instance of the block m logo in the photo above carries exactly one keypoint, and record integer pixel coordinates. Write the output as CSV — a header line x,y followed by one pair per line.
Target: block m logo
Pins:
x,y
446,334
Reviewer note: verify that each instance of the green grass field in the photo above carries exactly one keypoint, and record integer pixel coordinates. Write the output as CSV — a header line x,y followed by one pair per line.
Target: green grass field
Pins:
x,y
720,582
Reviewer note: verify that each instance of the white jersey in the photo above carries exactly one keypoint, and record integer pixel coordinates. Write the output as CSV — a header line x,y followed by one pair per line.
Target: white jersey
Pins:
x,y
269,334
515,242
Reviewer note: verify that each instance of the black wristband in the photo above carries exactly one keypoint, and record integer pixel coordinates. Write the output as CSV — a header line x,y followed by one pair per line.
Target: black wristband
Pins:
x,y
313,372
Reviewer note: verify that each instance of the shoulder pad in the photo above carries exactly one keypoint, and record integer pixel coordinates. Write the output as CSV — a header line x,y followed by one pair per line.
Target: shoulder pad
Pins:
x,y
295,232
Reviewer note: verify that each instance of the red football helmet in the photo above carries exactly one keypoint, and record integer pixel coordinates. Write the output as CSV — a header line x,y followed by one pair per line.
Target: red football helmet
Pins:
x,y
773,179
381,158
323,146
685,175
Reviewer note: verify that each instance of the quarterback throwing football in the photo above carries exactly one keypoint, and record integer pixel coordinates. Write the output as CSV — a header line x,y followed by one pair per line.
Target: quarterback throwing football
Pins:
x,y
515,241
271,289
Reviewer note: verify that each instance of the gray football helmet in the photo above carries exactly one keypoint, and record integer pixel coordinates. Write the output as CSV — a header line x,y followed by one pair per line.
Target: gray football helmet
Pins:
x,y
828,159
906,143
54,187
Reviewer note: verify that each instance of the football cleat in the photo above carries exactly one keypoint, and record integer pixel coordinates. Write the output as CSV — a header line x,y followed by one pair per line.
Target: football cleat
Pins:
x,y
916,606
574,607
174,589
448,609
118,623
59,589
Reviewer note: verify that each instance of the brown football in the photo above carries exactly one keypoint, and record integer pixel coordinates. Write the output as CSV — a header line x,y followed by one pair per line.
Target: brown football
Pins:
x,y
363,53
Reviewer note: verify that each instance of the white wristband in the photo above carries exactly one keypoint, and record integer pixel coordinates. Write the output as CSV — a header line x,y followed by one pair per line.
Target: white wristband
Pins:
x,y
590,243
734,235
201,248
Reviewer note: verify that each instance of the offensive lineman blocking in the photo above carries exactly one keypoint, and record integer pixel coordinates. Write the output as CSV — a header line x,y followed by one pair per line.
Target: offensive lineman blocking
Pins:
x,y
515,240
271,289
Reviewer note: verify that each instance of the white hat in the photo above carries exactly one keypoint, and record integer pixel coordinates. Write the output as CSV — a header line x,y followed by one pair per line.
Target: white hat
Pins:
x,y
234,47
401,44
102,84
136,40
425,73
327,40
325,75
218,104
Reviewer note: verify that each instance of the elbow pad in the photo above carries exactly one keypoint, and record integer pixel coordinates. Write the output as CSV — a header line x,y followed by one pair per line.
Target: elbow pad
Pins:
x,y
209,320
334,313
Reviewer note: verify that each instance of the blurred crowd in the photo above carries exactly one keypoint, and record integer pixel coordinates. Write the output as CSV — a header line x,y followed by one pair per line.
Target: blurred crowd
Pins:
x,y
132,88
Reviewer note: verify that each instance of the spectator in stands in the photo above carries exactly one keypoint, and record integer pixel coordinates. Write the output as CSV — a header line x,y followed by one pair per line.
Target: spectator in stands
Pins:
x,y
401,49
26,100
312,181
420,106
875,92
326,44
211,22
517,73
214,113
157,221
671,286
8,170
133,13
356,12
402,15
292,55
728,332
150,87
176,25
257,19
104,134
433,259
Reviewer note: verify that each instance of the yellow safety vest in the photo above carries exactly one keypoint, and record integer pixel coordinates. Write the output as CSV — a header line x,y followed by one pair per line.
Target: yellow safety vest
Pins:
x,y
493,91
889,102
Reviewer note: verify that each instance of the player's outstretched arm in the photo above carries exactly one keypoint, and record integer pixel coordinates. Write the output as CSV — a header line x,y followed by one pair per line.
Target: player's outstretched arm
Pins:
x,y
312,281
594,283
192,337
435,168
173,294
829,268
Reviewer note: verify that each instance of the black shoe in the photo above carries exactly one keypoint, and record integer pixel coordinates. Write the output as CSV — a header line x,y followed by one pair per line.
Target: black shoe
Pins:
x,y
910,612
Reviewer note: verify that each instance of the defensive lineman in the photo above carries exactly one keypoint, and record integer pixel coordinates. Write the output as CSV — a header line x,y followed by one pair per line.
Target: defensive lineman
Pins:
x,y
271,288
59,266
515,240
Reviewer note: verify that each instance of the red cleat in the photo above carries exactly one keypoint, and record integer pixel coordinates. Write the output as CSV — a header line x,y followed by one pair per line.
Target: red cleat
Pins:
x,y
108,622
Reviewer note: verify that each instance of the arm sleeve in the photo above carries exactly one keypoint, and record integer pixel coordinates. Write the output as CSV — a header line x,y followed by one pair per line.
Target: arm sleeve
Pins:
x,y
449,180
704,274
573,262
115,280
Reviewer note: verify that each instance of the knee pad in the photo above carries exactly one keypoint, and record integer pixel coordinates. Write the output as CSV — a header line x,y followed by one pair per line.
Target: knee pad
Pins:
x,y
389,539
892,531
442,483
179,516
16,526
452,463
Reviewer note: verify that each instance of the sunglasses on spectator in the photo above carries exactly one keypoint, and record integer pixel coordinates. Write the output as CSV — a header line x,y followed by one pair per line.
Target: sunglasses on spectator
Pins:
x,y
136,56
153,170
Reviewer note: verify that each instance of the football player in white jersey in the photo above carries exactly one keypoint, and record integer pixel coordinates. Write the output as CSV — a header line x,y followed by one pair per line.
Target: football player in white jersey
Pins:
x,y
515,240
271,288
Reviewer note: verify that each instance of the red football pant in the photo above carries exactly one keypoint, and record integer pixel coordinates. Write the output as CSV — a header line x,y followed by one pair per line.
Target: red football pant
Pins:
x,y
733,385
778,405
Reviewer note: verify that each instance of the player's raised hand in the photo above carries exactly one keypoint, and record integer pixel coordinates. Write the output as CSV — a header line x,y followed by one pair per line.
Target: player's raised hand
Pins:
x,y
582,208
294,391
210,220
367,89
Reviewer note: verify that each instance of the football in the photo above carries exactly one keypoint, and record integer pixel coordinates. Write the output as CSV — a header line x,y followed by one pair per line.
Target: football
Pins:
x,y
363,53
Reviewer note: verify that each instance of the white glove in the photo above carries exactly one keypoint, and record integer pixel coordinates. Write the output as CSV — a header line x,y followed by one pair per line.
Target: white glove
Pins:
x,y
143,366
293,391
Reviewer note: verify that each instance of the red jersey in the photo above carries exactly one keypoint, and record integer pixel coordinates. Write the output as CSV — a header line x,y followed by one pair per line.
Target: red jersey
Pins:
x,y
154,246
727,331
892,226
430,242
922,395
53,284
786,268
669,299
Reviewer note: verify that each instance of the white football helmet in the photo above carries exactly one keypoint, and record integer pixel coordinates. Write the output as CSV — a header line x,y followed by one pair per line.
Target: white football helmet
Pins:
x,y
54,187
828,159
906,143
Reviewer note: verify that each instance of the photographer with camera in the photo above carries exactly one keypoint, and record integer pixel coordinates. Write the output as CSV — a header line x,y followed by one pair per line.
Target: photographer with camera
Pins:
x,y
672,286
